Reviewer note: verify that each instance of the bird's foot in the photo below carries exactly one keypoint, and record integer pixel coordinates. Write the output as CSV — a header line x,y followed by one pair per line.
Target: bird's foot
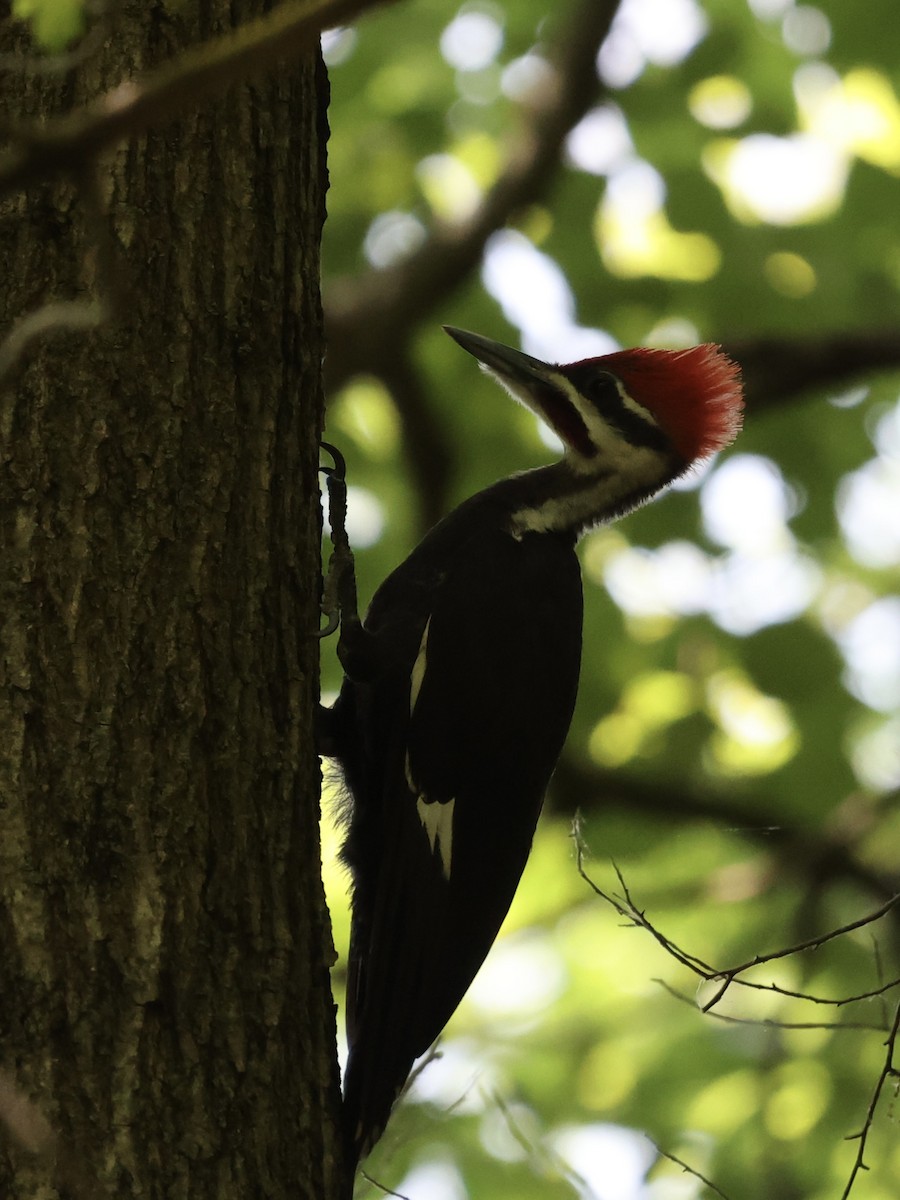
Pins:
x,y
338,602
356,646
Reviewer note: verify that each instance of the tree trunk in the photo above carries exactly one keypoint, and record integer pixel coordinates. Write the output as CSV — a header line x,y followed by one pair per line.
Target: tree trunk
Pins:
x,y
164,942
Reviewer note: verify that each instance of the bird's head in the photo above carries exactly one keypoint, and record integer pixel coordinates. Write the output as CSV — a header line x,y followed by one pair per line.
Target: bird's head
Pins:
x,y
681,405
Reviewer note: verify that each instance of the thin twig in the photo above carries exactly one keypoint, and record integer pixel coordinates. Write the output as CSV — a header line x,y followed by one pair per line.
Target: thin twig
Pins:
x,y
838,1002
690,1170
627,908
382,1187
810,944
888,1071
769,1022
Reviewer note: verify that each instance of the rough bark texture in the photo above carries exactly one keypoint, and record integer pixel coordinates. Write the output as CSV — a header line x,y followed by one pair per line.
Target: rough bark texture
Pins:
x,y
164,944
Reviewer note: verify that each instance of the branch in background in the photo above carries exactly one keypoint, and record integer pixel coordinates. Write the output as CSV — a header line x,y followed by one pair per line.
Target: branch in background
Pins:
x,y
28,1128
67,143
430,458
368,317
779,369
806,850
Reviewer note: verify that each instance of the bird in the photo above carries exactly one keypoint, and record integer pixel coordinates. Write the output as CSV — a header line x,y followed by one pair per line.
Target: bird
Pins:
x,y
460,684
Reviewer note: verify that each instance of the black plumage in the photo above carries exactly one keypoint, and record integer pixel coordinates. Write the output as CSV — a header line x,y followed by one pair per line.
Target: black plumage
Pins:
x,y
498,663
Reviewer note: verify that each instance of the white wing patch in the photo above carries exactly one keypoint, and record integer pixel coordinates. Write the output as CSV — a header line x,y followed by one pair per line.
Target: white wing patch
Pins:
x,y
437,821
418,671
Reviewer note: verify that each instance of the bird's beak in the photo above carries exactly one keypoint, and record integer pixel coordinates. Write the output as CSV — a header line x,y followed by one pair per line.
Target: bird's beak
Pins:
x,y
540,387
520,372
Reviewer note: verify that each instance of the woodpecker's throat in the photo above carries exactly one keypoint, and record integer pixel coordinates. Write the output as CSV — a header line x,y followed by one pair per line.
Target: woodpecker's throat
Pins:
x,y
564,499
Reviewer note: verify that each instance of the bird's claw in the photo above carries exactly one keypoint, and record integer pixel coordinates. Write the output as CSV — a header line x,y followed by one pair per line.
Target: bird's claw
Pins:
x,y
339,470
357,647
338,602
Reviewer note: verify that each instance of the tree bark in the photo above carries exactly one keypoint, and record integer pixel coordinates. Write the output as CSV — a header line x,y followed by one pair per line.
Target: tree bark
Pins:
x,y
164,941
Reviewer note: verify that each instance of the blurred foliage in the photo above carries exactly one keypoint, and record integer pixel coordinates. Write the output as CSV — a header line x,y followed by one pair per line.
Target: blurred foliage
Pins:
x,y
736,748
53,23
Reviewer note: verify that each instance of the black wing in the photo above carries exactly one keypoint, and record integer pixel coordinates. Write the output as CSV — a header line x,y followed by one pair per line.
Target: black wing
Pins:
x,y
467,744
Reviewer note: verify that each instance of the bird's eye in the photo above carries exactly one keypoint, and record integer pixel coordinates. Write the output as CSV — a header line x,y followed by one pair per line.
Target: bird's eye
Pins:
x,y
602,389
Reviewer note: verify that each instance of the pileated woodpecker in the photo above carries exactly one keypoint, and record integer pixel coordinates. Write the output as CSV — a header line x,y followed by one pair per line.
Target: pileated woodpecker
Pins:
x,y
460,686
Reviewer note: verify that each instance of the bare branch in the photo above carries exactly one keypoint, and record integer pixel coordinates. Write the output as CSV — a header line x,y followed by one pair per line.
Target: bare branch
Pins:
x,y
779,369
688,1169
368,317
626,907
835,1002
768,1022
426,447
133,106
810,944
888,1071
633,916
383,1187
